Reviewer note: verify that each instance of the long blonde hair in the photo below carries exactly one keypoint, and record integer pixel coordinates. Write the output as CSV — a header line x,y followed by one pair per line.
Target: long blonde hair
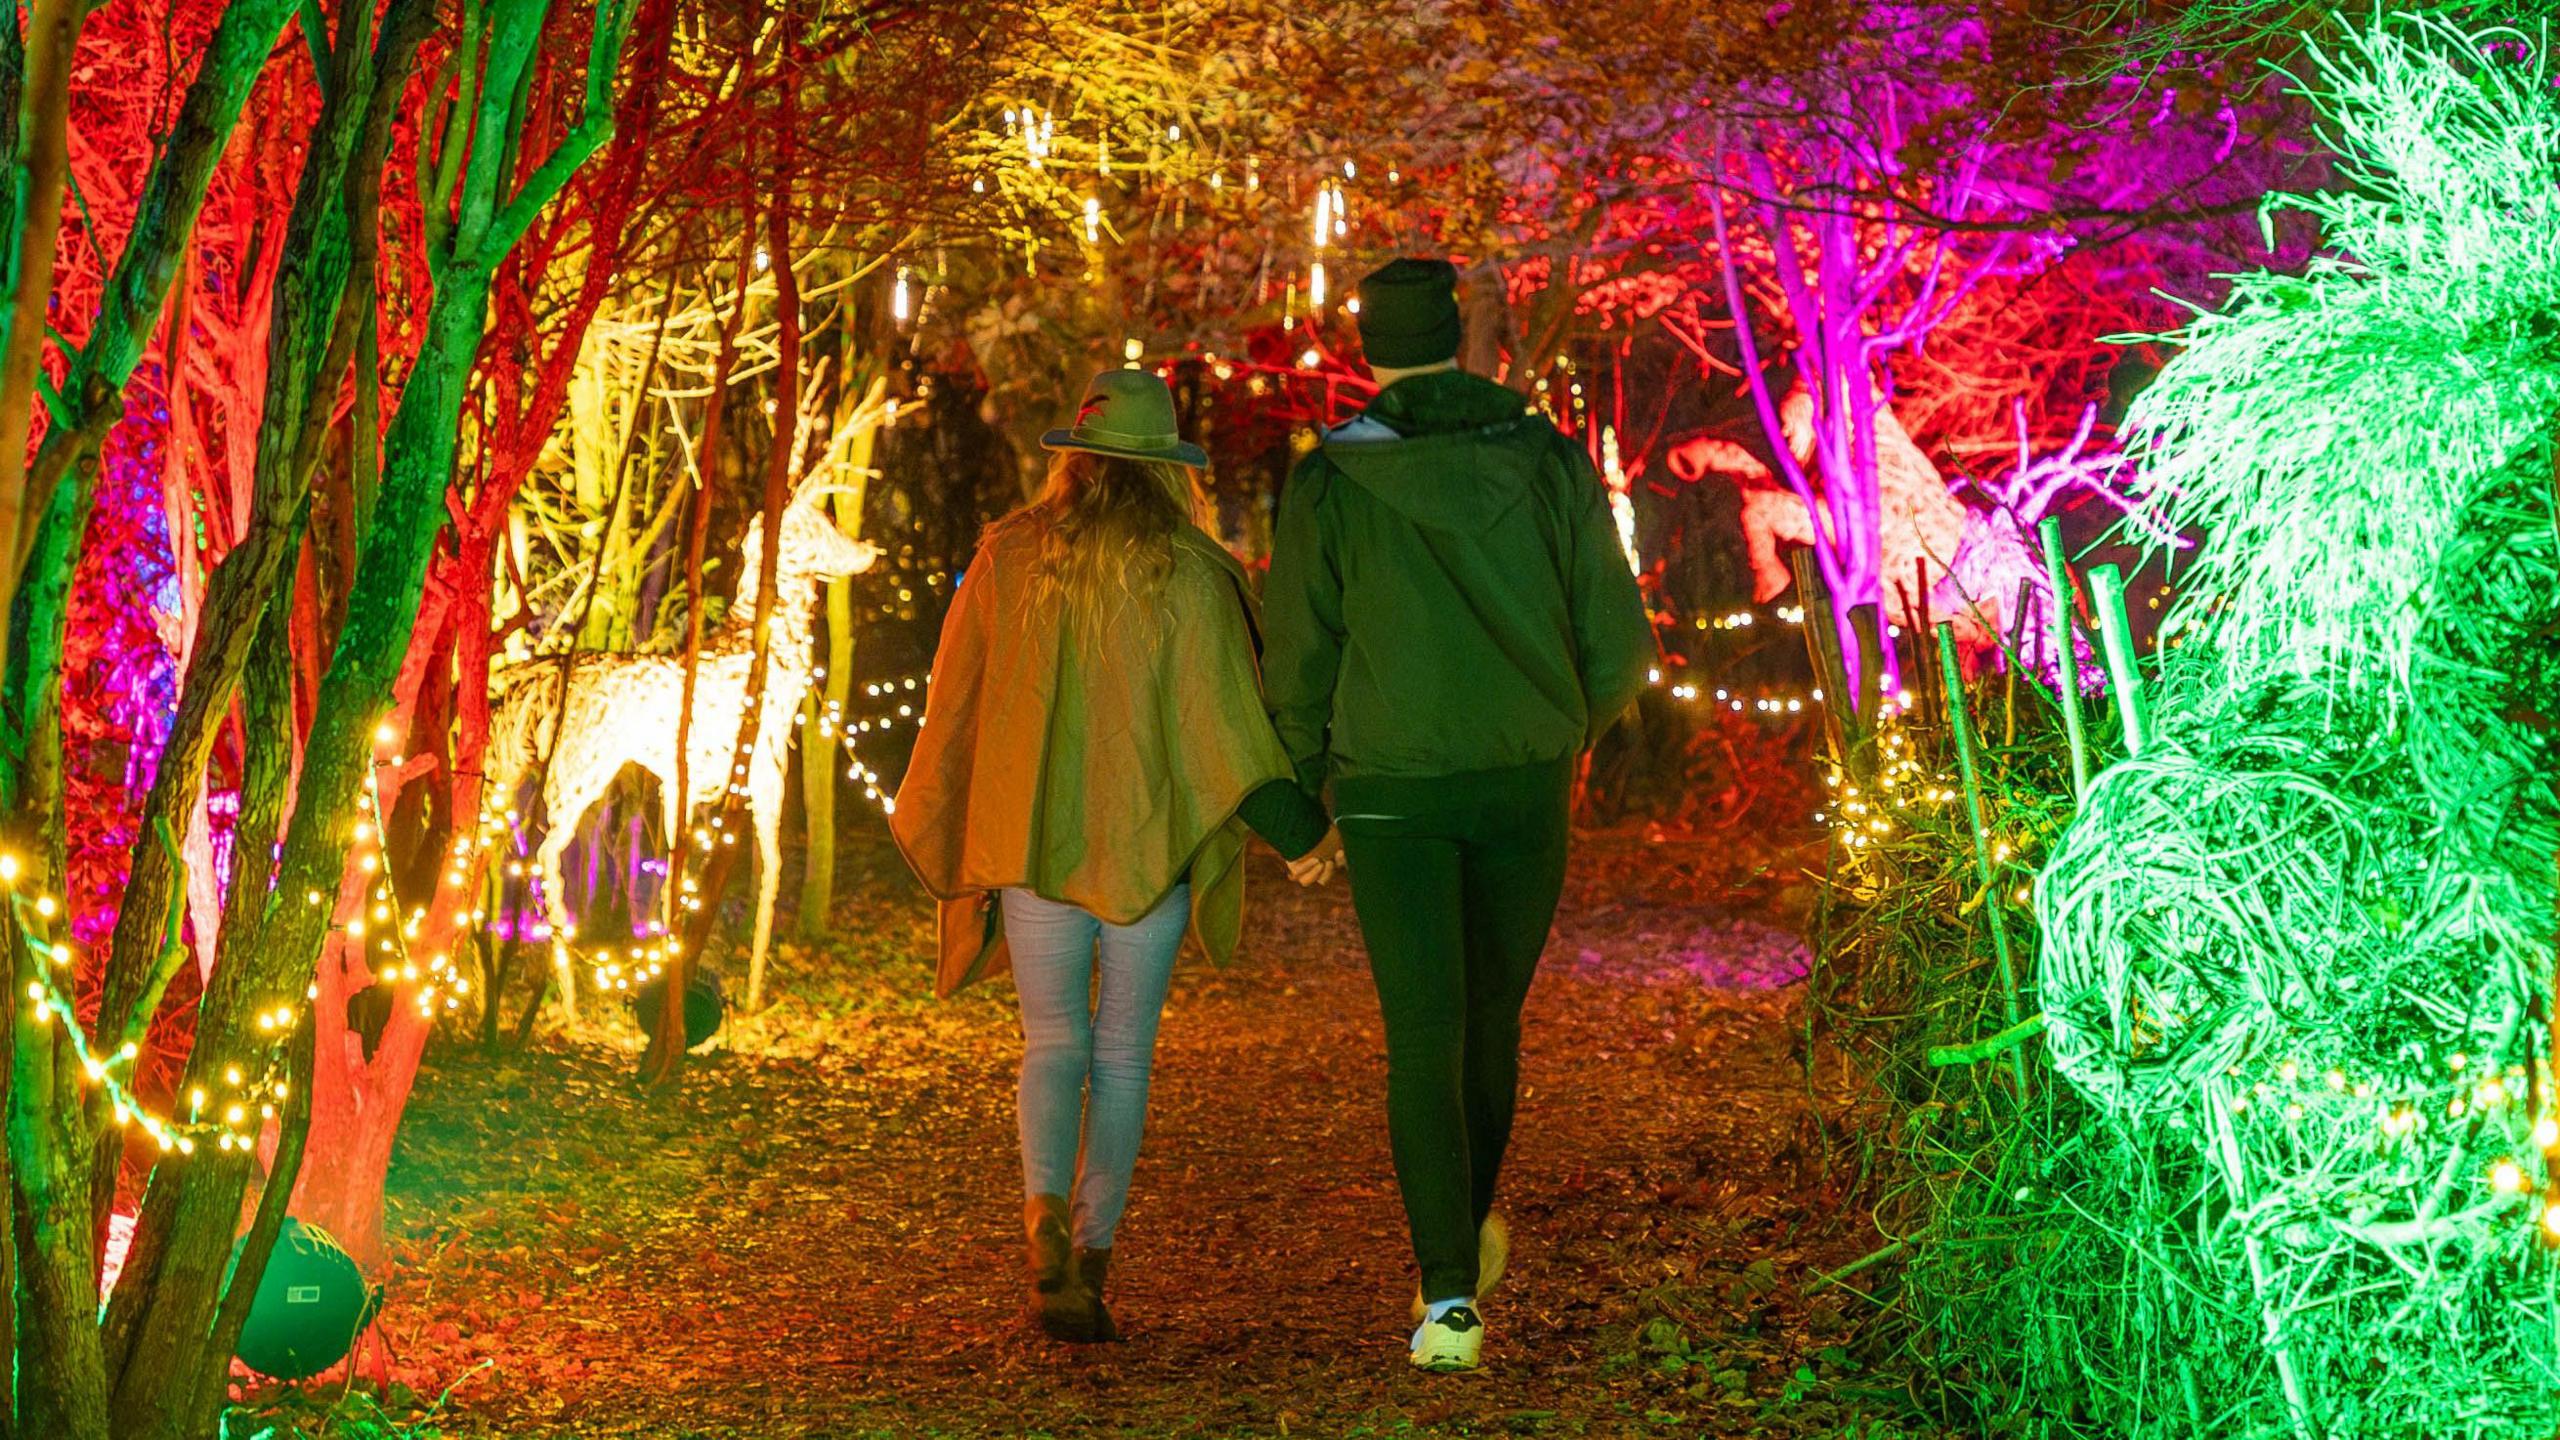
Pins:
x,y
1109,532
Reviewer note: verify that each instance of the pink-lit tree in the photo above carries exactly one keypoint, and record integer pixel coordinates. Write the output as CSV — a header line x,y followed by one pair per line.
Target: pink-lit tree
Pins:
x,y
1866,204
1860,226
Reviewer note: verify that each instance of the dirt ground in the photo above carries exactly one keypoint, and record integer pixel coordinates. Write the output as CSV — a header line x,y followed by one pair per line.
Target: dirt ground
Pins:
x,y
819,1234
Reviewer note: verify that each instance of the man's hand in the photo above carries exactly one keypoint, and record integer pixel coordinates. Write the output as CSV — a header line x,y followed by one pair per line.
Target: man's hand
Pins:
x,y
1316,867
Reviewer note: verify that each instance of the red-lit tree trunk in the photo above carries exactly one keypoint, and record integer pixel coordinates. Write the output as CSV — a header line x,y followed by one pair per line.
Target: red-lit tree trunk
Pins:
x,y
665,1056
56,1112
361,1088
171,1327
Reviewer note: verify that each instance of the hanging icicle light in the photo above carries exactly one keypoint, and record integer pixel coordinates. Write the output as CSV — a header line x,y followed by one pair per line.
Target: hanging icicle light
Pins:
x,y
1622,506
899,307
1035,137
1092,221
1315,286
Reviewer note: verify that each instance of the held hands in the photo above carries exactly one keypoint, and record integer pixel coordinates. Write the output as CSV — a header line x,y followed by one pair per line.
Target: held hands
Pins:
x,y
1316,867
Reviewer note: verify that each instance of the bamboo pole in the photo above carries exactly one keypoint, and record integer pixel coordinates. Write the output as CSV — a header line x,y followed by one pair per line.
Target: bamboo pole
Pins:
x,y
2234,1169
1867,623
1963,729
2124,671
2016,658
1931,691
2065,654
1822,641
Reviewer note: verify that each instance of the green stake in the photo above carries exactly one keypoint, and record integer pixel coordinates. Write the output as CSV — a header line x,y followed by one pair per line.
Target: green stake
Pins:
x,y
2065,652
1963,729
2124,673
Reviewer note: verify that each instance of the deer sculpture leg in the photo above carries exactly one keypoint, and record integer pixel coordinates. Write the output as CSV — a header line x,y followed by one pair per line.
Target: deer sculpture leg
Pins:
x,y
565,801
764,801
671,813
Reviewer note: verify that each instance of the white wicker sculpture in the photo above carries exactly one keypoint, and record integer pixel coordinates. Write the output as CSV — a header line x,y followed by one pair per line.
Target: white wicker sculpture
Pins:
x,y
1974,556
625,709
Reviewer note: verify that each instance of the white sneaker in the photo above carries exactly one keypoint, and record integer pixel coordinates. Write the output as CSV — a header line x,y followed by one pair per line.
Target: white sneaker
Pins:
x,y
1451,1343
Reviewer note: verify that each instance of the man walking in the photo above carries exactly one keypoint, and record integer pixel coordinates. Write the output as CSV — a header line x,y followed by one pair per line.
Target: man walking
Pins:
x,y
1451,624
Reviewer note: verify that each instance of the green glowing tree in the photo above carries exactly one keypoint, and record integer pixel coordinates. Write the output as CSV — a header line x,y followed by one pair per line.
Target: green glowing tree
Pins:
x,y
321,293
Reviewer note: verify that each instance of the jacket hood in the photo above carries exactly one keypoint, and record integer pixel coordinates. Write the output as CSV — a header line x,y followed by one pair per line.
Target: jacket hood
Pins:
x,y
1446,450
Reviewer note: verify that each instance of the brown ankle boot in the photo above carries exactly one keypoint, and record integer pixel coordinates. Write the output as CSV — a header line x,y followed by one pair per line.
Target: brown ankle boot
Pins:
x,y
1058,1295
1092,1270
1044,1222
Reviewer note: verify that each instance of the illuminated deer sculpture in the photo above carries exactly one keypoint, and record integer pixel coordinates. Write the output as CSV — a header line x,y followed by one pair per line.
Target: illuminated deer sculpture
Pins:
x,y
625,709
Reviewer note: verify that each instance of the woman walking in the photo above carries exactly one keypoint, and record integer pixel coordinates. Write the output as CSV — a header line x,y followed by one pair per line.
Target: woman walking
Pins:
x,y
1093,735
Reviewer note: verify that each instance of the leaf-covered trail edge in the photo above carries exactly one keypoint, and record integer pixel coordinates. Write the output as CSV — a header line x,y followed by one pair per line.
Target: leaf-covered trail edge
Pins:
x,y
819,1234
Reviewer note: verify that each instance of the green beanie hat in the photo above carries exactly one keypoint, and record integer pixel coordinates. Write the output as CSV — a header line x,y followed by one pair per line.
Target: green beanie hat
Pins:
x,y
1409,313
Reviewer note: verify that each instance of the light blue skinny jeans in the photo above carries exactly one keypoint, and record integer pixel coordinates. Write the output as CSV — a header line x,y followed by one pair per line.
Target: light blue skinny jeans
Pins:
x,y
1086,1060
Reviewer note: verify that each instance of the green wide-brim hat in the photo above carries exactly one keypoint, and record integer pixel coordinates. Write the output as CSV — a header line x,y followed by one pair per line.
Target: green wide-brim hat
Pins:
x,y
1128,413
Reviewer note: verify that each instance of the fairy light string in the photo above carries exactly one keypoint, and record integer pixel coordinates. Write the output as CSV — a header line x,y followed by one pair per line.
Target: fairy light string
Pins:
x,y
230,1119
246,1092
390,926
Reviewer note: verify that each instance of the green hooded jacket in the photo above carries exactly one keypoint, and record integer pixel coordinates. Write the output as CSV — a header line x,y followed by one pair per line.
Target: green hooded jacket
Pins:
x,y
1447,592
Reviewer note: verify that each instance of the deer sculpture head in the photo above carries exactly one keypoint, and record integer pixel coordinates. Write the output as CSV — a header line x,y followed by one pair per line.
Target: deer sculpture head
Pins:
x,y
814,548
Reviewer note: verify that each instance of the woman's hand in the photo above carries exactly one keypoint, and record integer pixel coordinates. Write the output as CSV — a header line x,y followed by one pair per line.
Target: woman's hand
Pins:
x,y
1316,867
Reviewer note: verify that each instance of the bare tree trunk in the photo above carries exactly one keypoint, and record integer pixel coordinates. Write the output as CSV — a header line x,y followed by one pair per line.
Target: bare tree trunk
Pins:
x,y
13,66
664,1059
40,164
171,1320
777,496
51,1127
714,408
323,292
822,732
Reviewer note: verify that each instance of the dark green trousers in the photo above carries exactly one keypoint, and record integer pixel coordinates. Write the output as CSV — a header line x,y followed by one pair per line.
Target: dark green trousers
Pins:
x,y
1456,880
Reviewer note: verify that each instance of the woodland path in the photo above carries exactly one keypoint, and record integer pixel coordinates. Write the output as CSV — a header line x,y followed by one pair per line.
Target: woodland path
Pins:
x,y
818,1235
